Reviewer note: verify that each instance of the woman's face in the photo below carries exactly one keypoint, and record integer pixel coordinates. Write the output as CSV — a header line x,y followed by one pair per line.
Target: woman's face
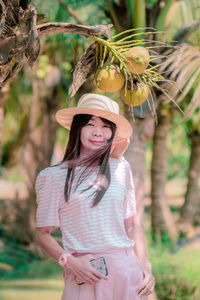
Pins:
x,y
94,134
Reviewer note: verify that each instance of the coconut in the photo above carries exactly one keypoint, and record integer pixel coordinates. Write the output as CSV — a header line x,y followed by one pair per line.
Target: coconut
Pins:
x,y
136,97
110,80
138,59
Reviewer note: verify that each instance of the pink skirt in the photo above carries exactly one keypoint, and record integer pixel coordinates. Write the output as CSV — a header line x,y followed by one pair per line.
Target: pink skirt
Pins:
x,y
124,278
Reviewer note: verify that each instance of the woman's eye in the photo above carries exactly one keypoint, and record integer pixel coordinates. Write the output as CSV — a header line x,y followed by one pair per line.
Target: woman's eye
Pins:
x,y
90,124
106,126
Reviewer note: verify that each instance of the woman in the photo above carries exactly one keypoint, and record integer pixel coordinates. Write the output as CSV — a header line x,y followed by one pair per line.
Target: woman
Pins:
x,y
90,197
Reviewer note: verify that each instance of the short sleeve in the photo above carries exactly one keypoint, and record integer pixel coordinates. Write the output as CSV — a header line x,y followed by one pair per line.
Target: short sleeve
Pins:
x,y
47,198
129,201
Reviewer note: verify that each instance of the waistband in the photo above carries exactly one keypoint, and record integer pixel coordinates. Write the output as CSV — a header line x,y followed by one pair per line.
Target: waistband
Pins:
x,y
110,252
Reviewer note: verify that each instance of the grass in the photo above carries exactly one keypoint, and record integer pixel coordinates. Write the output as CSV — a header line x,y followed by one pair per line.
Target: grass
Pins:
x,y
39,280
31,289
177,272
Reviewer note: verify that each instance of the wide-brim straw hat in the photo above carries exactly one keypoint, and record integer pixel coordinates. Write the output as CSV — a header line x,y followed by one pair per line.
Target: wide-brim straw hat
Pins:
x,y
100,106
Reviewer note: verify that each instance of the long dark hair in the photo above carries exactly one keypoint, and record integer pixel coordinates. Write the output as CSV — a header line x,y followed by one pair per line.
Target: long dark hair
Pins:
x,y
98,158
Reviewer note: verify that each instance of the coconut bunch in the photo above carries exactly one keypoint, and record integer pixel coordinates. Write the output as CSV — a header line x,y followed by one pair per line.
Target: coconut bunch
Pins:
x,y
111,78
125,64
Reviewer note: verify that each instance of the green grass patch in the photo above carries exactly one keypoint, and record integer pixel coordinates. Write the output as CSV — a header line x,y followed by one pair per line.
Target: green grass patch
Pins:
x,y
11,293
177,273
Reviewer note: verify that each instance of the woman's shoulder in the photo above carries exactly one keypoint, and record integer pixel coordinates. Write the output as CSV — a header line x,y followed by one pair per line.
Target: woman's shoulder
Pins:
x,y
118,161
50,175
55,170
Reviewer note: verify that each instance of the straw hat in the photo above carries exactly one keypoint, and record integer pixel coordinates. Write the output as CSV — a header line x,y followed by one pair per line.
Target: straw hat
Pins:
x,y
104,107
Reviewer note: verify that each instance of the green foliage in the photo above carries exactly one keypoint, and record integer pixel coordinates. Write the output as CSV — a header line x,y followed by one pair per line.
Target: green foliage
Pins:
x,y
139,16
160,24
16,261
151,1
16,257
179,14
194,122
177,274
178,146
17,111
178,149
44,67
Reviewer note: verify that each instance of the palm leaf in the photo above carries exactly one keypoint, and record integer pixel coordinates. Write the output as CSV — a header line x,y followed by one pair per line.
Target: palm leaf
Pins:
x,y
194,103
183,66
186,30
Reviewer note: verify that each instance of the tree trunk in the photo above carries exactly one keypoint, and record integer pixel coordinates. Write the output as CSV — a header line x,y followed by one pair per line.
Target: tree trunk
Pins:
x,y
191,208
162,221
3,98
142,132
38,146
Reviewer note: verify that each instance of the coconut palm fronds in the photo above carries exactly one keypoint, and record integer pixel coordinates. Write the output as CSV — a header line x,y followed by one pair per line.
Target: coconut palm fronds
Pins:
x,y
183,66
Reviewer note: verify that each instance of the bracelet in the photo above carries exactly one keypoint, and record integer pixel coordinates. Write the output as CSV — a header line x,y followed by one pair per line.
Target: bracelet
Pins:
x,y
63,259
148,265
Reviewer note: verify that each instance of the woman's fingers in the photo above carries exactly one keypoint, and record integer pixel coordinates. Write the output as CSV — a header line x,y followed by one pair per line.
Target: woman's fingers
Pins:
x,y
95,275
147,290
82,269
147,285
87,278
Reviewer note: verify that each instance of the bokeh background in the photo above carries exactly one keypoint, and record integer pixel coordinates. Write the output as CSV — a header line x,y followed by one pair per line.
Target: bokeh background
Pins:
x,y
165,157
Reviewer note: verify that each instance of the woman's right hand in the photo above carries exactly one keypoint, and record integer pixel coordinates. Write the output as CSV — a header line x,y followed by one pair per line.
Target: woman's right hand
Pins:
x,y
83,270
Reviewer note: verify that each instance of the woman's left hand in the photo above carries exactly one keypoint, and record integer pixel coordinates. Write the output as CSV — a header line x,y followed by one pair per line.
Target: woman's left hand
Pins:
x,y
147,285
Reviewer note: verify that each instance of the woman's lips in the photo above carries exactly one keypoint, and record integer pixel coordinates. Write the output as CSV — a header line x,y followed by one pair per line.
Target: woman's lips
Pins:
x,y
96,142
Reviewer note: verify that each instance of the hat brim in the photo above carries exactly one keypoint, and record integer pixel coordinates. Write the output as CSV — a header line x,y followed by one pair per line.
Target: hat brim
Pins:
x,y
65,116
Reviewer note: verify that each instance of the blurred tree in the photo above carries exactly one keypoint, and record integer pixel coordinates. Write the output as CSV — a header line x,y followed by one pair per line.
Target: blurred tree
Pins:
x,y
190,213
183,67
3,98
39,139
161,218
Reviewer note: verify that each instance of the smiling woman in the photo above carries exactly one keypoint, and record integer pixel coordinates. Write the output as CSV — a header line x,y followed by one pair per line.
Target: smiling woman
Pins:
x,y
90,195
96,133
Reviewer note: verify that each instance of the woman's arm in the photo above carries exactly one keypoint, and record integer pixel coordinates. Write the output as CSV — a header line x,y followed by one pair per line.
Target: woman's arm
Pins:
x,y
48,243
135,232
80,266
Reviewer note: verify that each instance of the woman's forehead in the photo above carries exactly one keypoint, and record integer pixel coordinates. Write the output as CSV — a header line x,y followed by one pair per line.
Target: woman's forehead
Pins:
x,y
100,120
95,118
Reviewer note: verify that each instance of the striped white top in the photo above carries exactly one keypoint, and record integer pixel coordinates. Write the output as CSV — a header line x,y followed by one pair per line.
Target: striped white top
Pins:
x,y
85,228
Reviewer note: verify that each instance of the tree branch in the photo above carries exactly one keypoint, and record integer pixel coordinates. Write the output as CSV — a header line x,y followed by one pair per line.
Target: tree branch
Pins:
x,y
59,27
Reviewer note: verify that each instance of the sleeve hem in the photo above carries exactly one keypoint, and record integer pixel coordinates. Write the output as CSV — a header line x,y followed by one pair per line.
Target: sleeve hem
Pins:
x,y
130,215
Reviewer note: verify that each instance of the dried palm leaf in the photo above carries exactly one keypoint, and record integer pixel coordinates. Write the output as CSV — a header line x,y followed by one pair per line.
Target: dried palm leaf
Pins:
x,y
84,68
183,66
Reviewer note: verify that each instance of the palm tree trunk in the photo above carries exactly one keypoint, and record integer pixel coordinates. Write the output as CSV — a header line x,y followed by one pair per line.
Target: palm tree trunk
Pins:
x,y
190,210
142,132
162,221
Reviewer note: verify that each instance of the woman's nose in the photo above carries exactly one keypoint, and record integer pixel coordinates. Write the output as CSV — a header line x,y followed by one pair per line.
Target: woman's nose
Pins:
x,y
97,131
